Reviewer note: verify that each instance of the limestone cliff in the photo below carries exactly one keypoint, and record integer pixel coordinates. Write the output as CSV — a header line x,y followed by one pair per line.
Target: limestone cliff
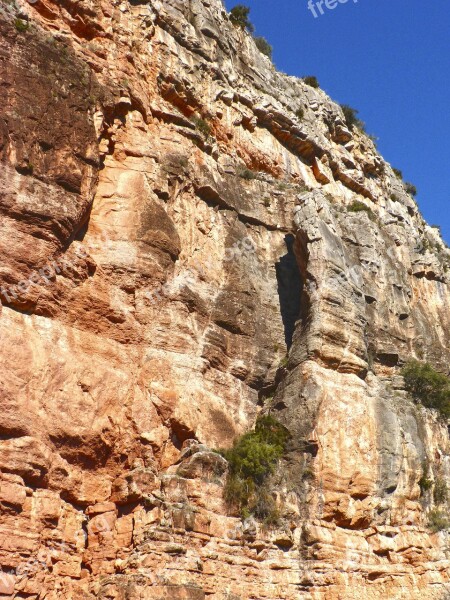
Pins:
x,y
181,250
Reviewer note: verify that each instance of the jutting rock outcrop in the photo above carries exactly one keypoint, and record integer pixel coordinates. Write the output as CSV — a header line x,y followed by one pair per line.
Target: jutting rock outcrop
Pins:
x,y
188,238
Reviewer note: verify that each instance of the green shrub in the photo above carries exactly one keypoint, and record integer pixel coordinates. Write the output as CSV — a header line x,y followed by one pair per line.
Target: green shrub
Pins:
x,y
397,173
239,16
425,484
356,206
428,386
247,173
440,492
251,460
311,81
351,119
266,509
411,189
202,126
284,362
263,46
300,113
438,520
21,25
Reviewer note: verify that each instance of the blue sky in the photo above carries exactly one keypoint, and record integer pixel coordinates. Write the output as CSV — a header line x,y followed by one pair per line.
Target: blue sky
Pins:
x,y
391,60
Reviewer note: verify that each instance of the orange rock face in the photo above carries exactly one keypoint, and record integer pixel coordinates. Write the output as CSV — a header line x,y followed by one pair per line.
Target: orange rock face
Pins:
x,y
178,254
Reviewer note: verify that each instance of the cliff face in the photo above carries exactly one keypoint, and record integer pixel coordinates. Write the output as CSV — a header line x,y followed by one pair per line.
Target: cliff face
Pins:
x,y
170,229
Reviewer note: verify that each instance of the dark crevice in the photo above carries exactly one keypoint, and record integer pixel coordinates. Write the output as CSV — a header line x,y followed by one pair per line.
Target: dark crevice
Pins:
x,y
127,509
387,359
290,288
179,433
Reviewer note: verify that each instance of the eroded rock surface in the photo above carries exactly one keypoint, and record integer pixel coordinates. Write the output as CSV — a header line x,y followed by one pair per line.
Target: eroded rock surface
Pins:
x,y
179,250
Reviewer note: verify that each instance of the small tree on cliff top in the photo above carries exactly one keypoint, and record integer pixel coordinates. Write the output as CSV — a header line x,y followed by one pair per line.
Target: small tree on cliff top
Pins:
x,y
239,17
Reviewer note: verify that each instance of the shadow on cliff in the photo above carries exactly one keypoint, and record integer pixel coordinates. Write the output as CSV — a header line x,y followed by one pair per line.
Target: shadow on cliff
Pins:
x,y
290,287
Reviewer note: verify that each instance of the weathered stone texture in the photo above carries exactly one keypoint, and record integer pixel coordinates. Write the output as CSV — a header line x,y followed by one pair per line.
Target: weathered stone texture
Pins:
x,y
177,248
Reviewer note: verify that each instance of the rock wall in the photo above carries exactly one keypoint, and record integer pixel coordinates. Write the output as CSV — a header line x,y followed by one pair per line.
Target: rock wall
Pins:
x,y
180,251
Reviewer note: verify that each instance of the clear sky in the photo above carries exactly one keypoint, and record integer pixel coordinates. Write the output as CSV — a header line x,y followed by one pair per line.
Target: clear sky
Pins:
x,y
391,60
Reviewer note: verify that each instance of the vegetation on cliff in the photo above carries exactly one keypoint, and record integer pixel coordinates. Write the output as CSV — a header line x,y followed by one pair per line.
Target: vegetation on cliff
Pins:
x,y
428,386
351,118
312,81
263,46
409,187
357,206
438,520
432,390
438,517
251,460
239,16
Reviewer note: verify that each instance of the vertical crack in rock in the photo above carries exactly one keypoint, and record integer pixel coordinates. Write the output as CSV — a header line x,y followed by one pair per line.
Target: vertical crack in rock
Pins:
x,y
289,289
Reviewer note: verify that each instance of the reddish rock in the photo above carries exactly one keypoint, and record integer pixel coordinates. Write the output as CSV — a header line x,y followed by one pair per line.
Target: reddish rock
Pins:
x,y
177,255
